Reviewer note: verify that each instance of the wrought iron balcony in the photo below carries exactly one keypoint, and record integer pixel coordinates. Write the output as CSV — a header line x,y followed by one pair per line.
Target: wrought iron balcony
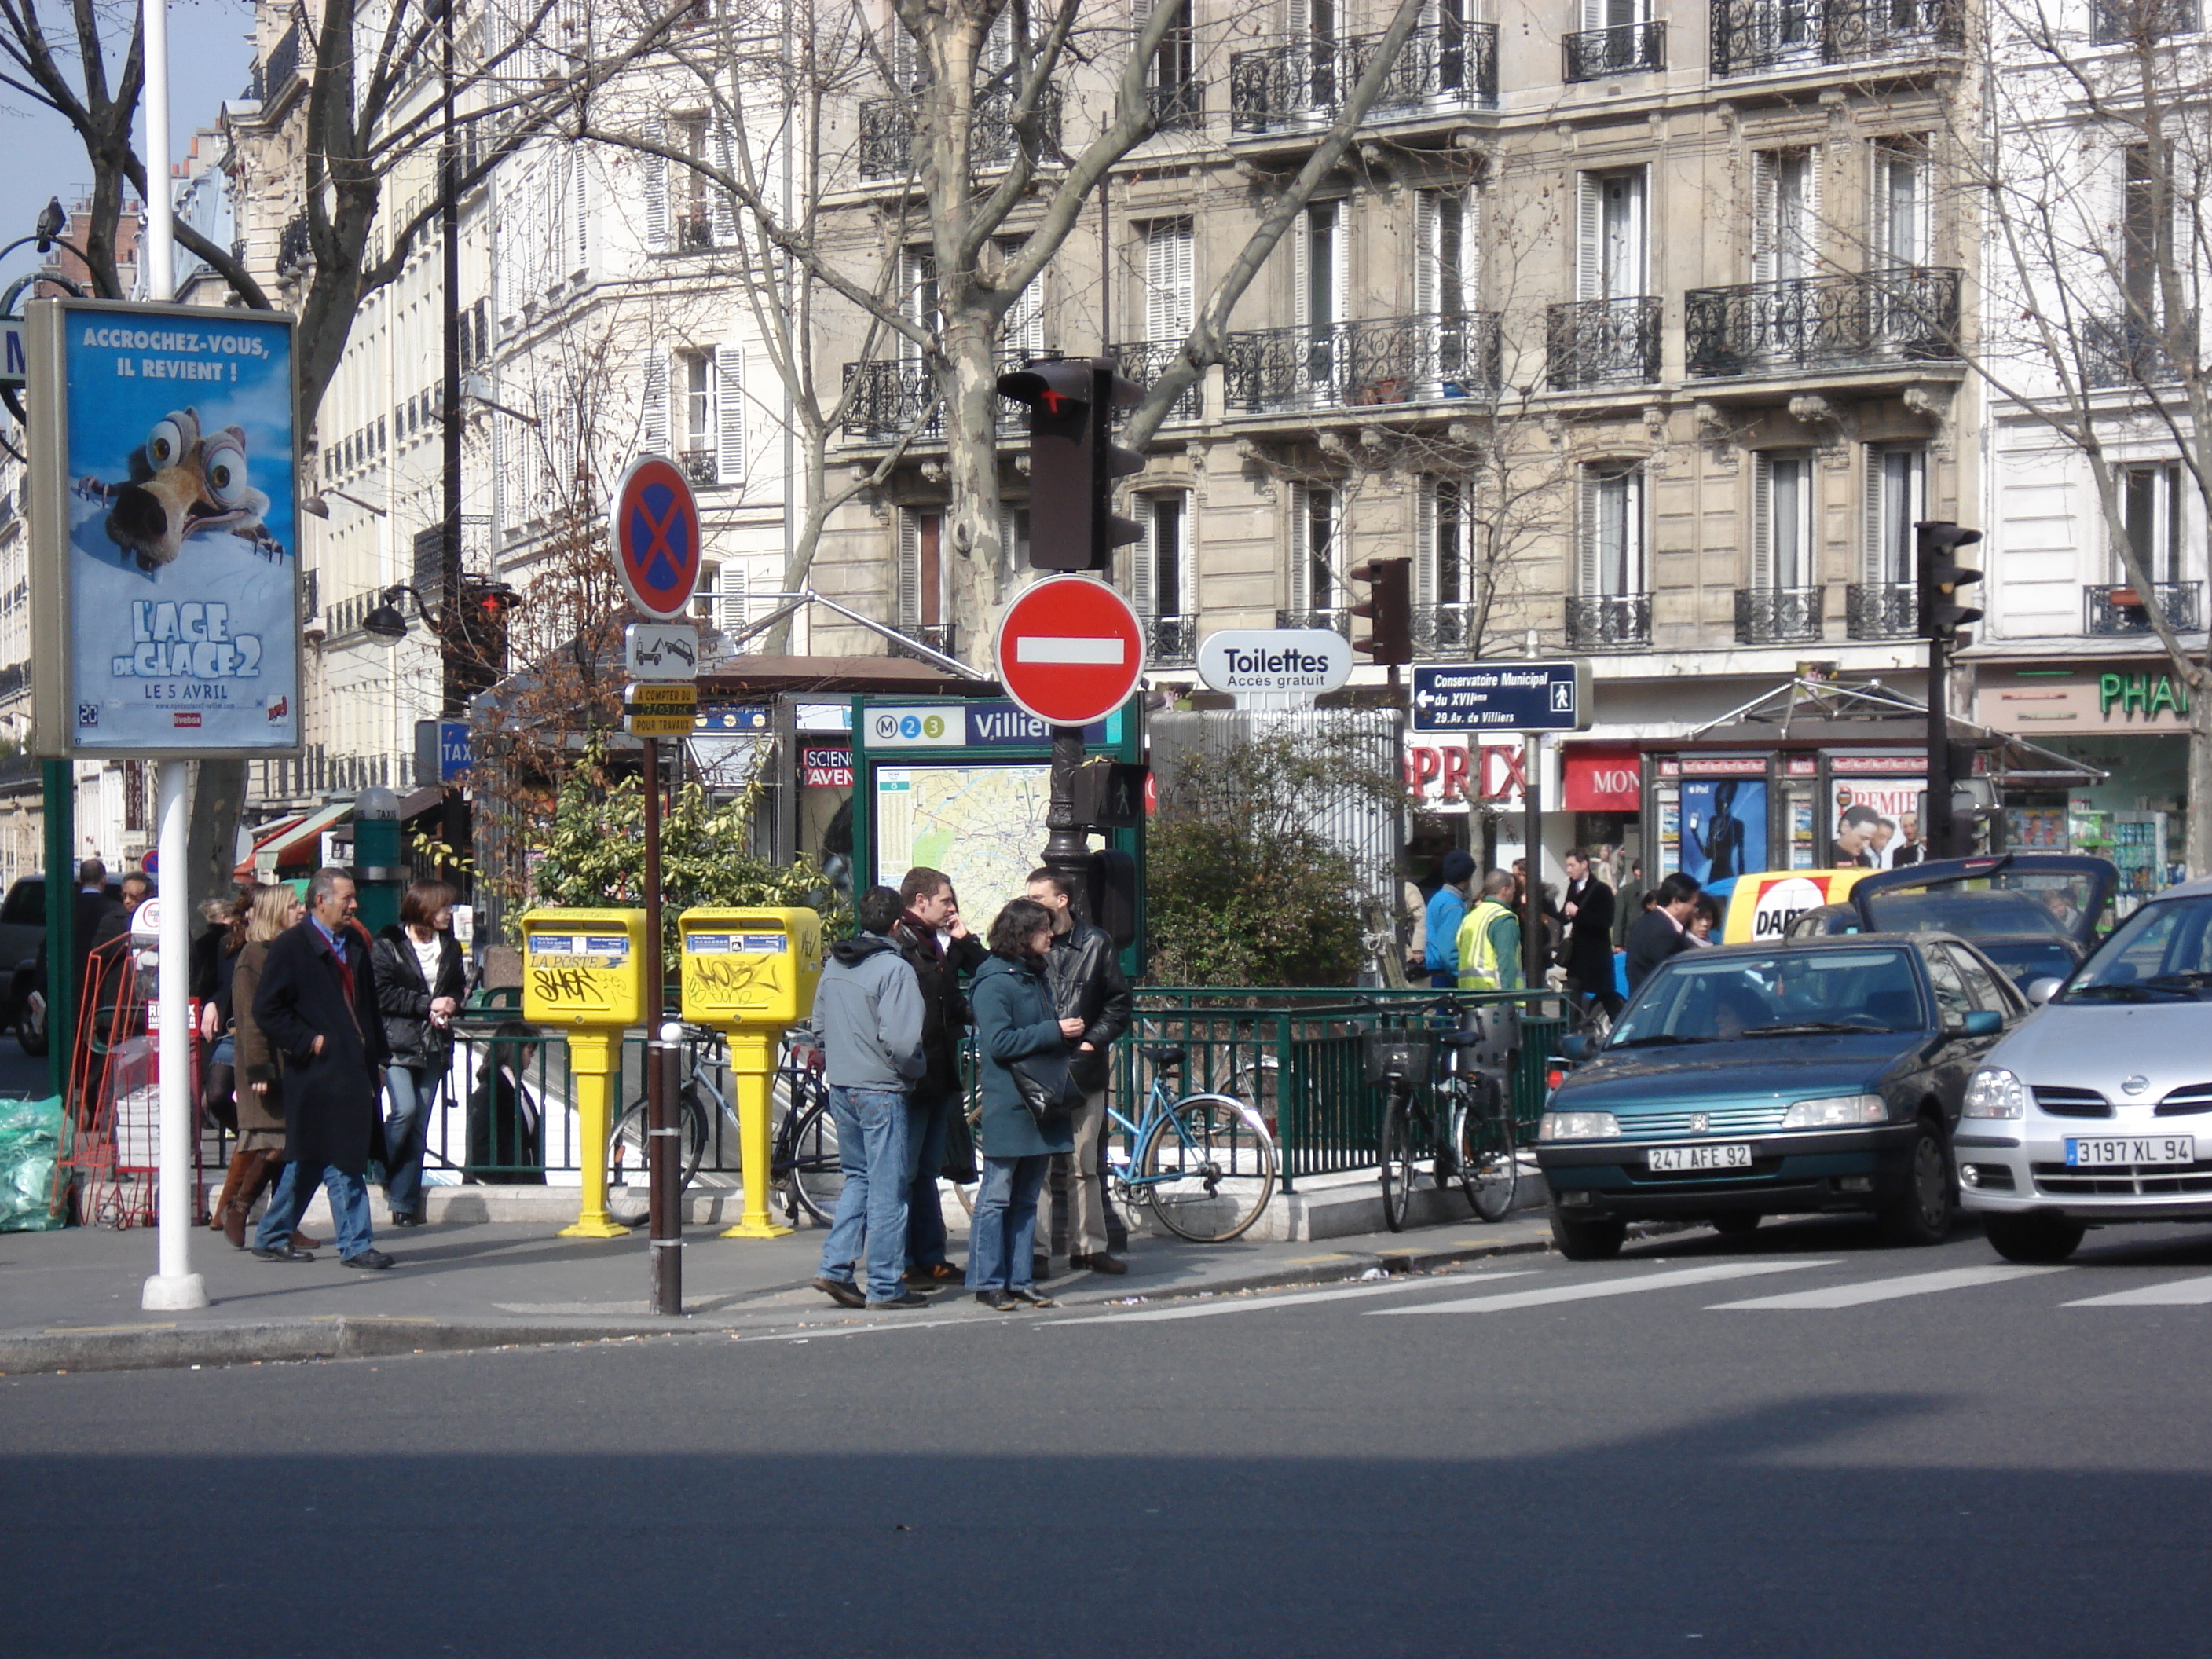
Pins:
x,y
1881,610
1391,359
1302,83
1753,35
943,637
1602,343
1145,360
887,132
2120,351
1608,622
1172,641
1179,107
899,393
697,465
1906,314
293,251
1778,616
694,234
2121,611
2114,22
1335,618
1445,631
1625,49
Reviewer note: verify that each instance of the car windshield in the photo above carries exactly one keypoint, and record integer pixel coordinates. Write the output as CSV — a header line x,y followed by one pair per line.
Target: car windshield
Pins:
x,y
1782,994
2162,953
2010,903
2026,960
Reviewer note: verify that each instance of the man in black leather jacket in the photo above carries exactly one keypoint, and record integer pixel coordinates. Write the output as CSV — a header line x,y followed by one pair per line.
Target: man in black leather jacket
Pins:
x,y
1085,972
932,917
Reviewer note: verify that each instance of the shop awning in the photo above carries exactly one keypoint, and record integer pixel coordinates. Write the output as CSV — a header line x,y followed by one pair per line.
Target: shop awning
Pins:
x,y
293,842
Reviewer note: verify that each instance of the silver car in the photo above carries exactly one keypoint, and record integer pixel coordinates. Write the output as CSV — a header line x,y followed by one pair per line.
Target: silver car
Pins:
x,y
2099,1109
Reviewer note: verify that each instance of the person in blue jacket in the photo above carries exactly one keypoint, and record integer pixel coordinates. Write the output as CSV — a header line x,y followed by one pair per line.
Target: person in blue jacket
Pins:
x,y
1014,1015
1447,909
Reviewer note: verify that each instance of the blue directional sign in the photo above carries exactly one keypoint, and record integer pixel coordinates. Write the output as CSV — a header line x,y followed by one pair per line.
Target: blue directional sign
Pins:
x,y
13,371
1503,696
455,755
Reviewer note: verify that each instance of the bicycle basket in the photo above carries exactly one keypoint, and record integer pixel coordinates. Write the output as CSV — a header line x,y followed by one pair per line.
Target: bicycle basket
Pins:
x,y
1397,1055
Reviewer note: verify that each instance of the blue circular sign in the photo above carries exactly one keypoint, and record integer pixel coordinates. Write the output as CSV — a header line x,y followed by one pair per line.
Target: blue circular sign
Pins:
x,y
654,527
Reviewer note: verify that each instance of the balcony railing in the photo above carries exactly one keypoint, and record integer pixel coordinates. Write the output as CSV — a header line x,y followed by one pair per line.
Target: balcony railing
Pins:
x,y
2114,22
887,132
1752,35
293,252
694,234
1145,360
1908,314
697,465
1336,618
937,637
1172,641
1602,343
1776,616
2120,351
1881,610
1445,631
1625,49
279,69
1608,622
1178,107
1302,83
1386,360
2121,609
899,393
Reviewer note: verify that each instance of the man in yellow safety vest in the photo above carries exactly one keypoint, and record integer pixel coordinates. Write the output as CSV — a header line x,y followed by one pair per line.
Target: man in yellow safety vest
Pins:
x,y
1490,939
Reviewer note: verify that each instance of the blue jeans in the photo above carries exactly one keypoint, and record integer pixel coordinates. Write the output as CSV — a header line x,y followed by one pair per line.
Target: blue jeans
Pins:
x,y
929,1123
406,1134
872,1137
1002,1239
349,1209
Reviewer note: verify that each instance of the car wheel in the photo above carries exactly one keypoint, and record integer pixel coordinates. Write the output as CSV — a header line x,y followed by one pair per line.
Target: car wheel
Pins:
x,y
2037,1240
1921,1214
1735,1223
1587,1241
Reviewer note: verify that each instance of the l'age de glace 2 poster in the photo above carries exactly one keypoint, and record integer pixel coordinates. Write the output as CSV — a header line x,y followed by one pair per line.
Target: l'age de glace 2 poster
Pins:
x,y
164,513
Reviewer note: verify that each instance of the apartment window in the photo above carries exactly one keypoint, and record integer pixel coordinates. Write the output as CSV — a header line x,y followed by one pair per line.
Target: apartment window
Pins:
x,y
1896,499
1014,535
920,569
1611,257
2150,510
1161,579
1900,218
1613,530
918,286
1612,14
697,436
1313,538
1444,253
1176,61
1441,572
1168,282
695,224
1786,215
1022,332
1318,270
653,427
1314,22
1782,519
2144,242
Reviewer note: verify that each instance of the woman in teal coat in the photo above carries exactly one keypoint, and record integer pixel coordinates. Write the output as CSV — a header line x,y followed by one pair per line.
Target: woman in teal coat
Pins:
x,y
1014,1019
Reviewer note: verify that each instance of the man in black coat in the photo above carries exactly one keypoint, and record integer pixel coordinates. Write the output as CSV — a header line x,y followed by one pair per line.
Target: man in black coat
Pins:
x,y
1663,930
932,916
1085,972
317,1006
1589,911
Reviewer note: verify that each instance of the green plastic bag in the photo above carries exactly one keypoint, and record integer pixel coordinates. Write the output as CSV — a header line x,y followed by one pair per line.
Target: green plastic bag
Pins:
x,y
30,1141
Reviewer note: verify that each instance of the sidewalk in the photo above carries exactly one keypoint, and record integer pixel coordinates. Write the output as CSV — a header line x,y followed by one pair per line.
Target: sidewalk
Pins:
x,y
70,1300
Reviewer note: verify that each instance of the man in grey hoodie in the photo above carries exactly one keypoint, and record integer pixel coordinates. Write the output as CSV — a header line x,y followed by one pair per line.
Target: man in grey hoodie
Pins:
x,y
868,1008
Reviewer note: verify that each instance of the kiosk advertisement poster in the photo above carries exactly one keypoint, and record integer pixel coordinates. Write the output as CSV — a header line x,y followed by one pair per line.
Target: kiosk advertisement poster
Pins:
x,y
166,527
1723,827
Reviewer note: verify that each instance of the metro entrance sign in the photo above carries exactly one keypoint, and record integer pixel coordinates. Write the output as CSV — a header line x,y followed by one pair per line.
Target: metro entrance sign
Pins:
x,y
1070,651
654,526
1503,696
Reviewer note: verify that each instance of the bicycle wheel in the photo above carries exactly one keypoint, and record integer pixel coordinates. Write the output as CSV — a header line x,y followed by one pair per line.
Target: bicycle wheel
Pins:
x,y
807,1159
1207,1168
1256,1082
1397,1157
629,1193
1482,1130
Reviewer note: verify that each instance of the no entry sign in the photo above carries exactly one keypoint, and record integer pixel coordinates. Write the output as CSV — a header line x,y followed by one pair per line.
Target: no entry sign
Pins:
x,y
654,528
1070,651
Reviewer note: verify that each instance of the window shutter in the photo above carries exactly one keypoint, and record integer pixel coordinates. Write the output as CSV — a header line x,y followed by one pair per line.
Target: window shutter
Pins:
x,y
1875,517
1301,542
729,415
1594,13
1762,522
1301,269
583,206
1142,562
1764,205
1340,264
909,568
1811,228
733,604
722,157
655,424
1589,579
1168,280
1425,253
553,227
905,73
1424,544
656,191
1590,218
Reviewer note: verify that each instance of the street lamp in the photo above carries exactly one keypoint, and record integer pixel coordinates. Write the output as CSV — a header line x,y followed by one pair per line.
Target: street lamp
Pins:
x,y
388,622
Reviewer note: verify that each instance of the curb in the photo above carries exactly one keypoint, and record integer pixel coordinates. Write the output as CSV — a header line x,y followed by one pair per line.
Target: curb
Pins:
x,y
1350,1264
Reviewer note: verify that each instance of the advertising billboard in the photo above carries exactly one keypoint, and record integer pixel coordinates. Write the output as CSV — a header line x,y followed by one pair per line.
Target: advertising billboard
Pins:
x,y
165,525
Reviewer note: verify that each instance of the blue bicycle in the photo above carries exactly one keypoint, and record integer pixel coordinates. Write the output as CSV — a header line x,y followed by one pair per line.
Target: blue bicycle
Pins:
x,y
1204,1163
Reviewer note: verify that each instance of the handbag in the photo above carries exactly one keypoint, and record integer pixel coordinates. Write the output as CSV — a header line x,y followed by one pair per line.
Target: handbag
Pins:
x,y
1045,1085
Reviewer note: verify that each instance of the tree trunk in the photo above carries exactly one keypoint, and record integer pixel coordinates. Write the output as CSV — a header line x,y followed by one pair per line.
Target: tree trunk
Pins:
x,y
978,572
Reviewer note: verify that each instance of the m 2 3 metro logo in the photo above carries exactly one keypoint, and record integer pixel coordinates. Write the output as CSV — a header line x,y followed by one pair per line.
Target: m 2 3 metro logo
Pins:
x,y
894,728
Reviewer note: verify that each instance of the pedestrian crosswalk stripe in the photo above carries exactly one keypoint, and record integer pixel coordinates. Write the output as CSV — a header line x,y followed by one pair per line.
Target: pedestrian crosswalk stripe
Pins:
x,y
2172,1293
1888,1290
1584,1290
1260,1304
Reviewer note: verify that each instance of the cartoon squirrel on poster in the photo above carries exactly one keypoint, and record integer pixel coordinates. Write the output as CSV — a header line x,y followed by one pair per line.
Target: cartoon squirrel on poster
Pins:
x,y
183,481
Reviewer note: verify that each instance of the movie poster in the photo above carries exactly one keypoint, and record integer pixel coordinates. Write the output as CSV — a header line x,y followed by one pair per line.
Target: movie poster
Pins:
x,y
1875,824
176,585
1723,827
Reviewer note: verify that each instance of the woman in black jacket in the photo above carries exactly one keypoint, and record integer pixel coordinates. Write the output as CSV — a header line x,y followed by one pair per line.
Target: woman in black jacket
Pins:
x,y
419,981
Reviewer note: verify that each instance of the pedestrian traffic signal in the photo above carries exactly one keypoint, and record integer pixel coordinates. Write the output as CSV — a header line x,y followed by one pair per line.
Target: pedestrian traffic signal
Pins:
x,y
1389,606
1942,575
476,640
1072,462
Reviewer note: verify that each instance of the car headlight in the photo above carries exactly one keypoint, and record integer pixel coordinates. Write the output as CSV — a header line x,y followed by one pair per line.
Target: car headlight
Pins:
x,y
1836,1112
1994,1093
1578,1125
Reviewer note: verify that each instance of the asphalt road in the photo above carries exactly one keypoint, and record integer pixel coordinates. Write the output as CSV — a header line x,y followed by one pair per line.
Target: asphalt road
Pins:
x,y
1797,1443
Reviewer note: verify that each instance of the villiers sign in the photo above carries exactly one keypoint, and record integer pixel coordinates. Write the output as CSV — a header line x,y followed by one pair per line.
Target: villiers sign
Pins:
x,y
1265,660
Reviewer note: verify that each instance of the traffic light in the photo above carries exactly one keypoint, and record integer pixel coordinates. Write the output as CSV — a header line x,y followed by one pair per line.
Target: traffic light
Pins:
x,y
1073,460
476,641
1389,606
1942,575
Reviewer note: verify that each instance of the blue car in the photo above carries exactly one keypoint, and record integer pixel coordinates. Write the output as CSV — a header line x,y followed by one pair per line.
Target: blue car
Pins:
x,y
1816,1074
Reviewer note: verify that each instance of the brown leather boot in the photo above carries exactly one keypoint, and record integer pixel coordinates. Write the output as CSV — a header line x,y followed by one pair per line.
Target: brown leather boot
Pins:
x,y
249,1173
232,1178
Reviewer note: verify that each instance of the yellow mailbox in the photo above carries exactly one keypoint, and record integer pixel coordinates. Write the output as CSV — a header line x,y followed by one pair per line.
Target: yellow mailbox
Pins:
x,y
752,972
583,971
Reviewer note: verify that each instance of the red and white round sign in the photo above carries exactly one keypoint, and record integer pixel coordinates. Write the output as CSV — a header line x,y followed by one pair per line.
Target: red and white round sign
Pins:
x,y
1070,651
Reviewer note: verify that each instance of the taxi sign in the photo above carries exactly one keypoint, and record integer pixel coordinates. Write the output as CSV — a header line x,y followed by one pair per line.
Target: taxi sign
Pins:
x,y
1761,906
750,966
583,967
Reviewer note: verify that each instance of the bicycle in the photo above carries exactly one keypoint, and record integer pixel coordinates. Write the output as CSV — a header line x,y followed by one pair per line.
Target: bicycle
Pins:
x,y
1204,1163
1469,1135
